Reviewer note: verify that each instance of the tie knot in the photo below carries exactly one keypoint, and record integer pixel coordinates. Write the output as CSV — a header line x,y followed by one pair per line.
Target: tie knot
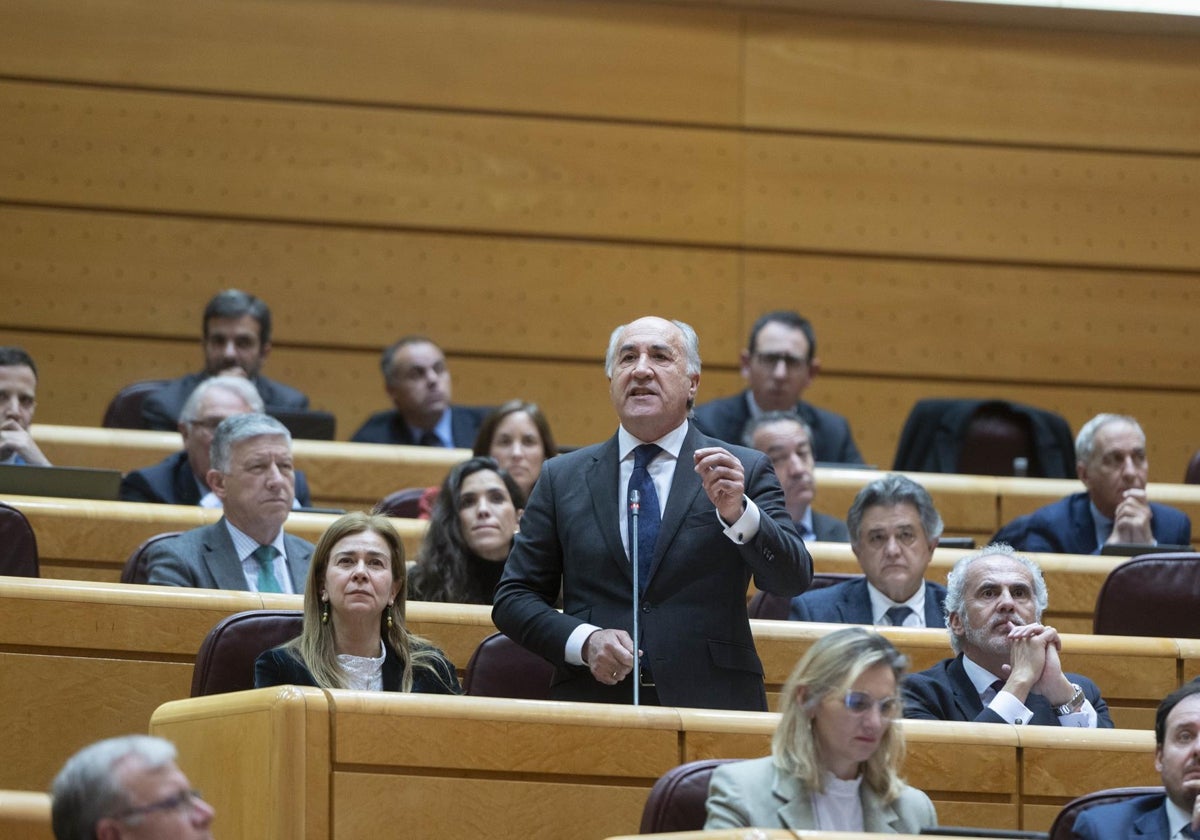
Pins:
x,y
644,454
265,555
897,615
430,438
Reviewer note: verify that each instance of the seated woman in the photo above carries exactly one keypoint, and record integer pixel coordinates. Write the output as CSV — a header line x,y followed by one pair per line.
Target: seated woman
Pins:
x,y
835,755
354,634
518,436
474,521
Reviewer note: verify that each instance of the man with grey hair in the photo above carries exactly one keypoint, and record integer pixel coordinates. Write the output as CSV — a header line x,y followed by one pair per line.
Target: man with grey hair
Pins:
x,y
127,787
1110,460
417,380
1007,667
787,440
709,516
894,529
182,478
246,549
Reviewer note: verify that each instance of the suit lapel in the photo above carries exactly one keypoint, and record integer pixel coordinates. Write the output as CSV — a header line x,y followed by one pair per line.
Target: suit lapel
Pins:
x,y
965,695
220,558
935,614
1153,823
796,812
854,607
296,553
878,818
685,486
1084,524
601,476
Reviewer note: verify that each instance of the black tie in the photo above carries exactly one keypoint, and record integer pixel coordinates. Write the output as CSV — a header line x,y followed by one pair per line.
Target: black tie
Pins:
x,y
430,438
897,615
649,518
1189,832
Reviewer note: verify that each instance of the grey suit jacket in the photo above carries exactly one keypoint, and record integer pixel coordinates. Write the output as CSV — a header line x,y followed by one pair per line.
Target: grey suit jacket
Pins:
x,y
205,558
693,623
829,528
755,793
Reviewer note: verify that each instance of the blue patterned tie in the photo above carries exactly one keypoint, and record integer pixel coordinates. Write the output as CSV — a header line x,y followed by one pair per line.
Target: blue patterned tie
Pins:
x,y
265,555
898,615
649,518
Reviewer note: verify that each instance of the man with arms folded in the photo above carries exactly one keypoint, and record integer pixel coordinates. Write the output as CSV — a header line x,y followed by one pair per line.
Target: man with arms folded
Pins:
x,y
236,340
1176,815
786,439
779,363
894,529
1007,668
710,516
18,399
415,376
246,549
1110,459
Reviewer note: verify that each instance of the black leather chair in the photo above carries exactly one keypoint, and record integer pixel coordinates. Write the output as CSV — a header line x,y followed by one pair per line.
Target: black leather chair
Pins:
x,y
1151,595
125,409
1060,829
984,437
136,569
225,661
1192,474
500,667
767,605
405,504
18,544
676,802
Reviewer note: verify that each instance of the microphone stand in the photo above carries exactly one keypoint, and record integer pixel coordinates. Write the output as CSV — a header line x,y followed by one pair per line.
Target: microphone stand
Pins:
x,y
634,509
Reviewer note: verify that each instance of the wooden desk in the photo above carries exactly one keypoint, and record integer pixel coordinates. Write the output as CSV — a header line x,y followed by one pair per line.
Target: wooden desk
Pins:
x,y
346,764
25,815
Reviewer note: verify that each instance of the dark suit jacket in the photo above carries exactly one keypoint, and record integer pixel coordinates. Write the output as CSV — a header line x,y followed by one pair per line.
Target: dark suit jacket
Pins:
x,y
205,558
1067,527
1143,816
933,435
850,603
726,418
694,627
389,427
945,692
829,528
279,667
171,482
161,408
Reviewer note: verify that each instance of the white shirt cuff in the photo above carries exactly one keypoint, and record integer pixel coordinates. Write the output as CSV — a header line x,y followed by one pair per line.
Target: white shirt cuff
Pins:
x,y
1010,708
1085,718
746,528
574,650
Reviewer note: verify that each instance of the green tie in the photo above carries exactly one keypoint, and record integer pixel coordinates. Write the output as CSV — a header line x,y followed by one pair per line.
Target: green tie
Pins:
x,y
265,555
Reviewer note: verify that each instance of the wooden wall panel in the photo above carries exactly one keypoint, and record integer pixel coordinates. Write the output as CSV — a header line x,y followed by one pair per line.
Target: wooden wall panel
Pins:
x,y
366,166
632,61
971,201
972,83
1031,324
152,275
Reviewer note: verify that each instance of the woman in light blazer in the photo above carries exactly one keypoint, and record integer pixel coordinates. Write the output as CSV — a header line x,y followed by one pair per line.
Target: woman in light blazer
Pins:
x,y
835,755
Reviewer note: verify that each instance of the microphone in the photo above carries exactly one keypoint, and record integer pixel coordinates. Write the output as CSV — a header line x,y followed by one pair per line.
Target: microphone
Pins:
x,y
634,509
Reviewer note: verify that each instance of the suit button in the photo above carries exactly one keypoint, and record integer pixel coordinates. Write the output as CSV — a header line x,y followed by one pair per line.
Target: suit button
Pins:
x,y
645,607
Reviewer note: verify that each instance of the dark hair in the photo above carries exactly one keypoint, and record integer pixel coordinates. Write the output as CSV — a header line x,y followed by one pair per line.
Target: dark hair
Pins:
x,y
234,303
789,318
17,357
487,430
1170,702
385,360
442,573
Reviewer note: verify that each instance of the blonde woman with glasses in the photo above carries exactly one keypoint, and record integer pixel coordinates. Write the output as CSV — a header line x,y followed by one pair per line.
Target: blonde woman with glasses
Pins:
x,y
836,754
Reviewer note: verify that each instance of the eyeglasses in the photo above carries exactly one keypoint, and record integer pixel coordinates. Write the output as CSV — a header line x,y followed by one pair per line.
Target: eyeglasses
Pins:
x,y
184,800
859,703
770,361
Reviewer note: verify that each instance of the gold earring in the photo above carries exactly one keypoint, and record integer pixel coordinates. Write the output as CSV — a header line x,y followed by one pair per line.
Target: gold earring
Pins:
x,y
324,612
389,616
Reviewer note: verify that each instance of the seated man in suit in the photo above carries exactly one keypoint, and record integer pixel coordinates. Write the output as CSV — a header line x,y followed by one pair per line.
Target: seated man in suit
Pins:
x,y
786,439
779,362
1007,668
1110,460
126,787
236,340
18,399
246,549
415,376
894,529
182,478
1177,757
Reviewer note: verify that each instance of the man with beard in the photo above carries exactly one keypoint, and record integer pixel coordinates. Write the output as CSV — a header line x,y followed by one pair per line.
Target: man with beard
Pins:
x,y
1175,814
1007,668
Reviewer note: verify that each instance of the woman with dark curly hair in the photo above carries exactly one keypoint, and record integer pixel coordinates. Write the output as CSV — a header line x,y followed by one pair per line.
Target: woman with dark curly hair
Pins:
x,y
469,537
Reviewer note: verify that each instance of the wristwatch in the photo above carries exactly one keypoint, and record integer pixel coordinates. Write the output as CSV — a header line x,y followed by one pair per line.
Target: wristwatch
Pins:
x,y
1073,705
